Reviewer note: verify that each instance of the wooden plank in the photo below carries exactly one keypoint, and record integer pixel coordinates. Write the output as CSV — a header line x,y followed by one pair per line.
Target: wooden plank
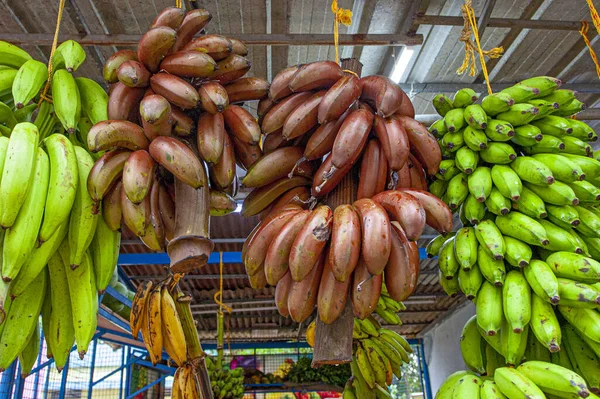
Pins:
x,y
577,48
485,16
290,39
280,22
502,23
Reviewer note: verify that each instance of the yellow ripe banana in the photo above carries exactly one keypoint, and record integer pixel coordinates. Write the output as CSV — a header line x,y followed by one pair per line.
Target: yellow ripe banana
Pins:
x,y
173,336
30,79
63,184
29,355
21,237
61,333
554,379
82,223
94,100
378,363
66,100
83,297
154,341
17,171
175,388
69,55
105,253
22,318
138,306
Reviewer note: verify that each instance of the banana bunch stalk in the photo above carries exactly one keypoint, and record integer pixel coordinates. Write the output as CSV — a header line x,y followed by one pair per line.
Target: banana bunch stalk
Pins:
x,y
522,176
173,113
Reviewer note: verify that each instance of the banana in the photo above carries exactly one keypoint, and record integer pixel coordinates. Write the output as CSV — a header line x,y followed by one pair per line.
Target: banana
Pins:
x,y
496,103
464,97
21,238
517,301
22,319
434,246
561,357
497,204
590,166
339,98
473,209
308,247
172,331
553,379
273,166
519,114
63,184
438,128
82,222
447,388
546,85
514,384
28,82
581,130
584,361
69,55
138,174
61,333
66,100
450,287
475,139
230,69
585,191
17,171
545,108
498,153
575,146
530,204
574,266
489,390
475,116
472,346
521,93
513,345
466,160
110,134
133,74
561,167
480,183
377,362
548,144
454,120
104,250
178,159
467,387
533,171
527,135
447,261
560,240
442,104
152,325
585,322
138,306
465,247
360,384
105,173
518,254
507,181
499,131
178,91
470,281
492,269
389,317
452,141
214,99
490,239
554,126
12,56
94,100
577,292
364,365
489,308
29,356
380,91
522,227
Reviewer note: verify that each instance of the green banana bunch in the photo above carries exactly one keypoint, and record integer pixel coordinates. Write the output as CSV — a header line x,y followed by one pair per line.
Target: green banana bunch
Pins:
x,y
583,360
464,97
30,79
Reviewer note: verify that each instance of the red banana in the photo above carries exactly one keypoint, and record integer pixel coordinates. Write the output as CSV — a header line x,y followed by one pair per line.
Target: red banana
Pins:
x,y
344,249
273,141
366,290
247,89
417,175
170,16
138,175
155,113
136,217
182,124
316,75
332,294
155,232
373,171
302,119
351,138
242,124
245,154
176,90
437,213
406,108
282,291
111,134
211,136
213,97
215,46
124,102
324,181
111,207
383,93
303,294
239,47
178,159
154,45
194,22
274,119
423,145
402,270
321,141
272,167
405,209
280,86
339,98
297,195
394,141
112,64
189,64
133,74
106,172
376,236
222,172
230,69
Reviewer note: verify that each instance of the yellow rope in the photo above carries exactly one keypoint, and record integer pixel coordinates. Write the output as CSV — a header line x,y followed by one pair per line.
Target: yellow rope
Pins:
x,y
218,297
583,31
61,8
179,3
594,14
340,15
470,27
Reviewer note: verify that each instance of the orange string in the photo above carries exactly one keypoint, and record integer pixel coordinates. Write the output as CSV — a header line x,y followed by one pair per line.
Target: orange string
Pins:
x,y
43,96
594,15
343,16
585,26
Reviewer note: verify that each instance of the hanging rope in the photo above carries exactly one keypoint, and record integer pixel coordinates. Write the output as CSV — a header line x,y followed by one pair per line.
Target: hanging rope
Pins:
x,y
218,297
594,14
343,16
585,26
179,3
43,96
470,27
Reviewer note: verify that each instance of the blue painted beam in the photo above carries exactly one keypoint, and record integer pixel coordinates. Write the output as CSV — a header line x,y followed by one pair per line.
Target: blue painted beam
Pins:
x,y
161,258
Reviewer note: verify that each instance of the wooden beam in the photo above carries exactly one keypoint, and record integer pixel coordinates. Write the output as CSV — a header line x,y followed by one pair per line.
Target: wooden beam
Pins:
x,y
284,39
280,17
511,36
485,16
502,23
566,59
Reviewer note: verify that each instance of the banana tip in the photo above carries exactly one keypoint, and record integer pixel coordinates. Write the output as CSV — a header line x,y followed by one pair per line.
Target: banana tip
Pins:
x,y
575,222
6,279
550,179
491,333
575,201
449,277
74,266
499,257
517,330
19,105
82,354
555,299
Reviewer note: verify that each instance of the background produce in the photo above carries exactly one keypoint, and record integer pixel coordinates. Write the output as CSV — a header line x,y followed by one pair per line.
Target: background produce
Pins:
x,y
523,179
226,383
57,253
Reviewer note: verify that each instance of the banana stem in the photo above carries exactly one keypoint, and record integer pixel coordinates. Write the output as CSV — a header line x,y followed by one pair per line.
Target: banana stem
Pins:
x,y
220,328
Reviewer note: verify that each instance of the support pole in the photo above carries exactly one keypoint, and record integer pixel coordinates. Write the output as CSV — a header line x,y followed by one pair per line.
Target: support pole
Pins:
x,y
63,380
7,381
92,366
19,385
333,342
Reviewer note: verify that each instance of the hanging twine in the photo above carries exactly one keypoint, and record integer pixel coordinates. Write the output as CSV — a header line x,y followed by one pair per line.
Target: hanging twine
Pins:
x,y
218,297
585,26
470,27
179,3
44,96
594,15
340,15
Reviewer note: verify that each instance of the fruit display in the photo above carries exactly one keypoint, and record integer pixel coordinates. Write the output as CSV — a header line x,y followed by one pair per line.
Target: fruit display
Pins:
x,y
58,254
226,383
308,250
174,114
302,372
522,176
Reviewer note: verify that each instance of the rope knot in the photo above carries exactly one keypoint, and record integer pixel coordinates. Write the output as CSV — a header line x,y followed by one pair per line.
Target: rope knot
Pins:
x,y
340,15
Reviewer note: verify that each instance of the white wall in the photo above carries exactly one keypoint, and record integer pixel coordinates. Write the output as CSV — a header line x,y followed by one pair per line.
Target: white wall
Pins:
x,y
442,348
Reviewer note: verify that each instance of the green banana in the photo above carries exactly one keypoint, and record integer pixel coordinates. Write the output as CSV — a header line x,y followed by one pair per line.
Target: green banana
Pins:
x,y
349,392
105,252
545,108
21,238
572,108
544,324
521,92
593,245
495,341
518,254
388,316
583,359
513,344
585,191
466,160
30,79
7,117
12,56
581,130
590,166
496,103
580,242
492,269
438,128
464,97
363,390
529,132
82,223
473,209
498,153
574,146
563,97
561,357
493,359
457,190
548,144
516,296
544,84
475,139
553,379
453,140
434,246
507,181
17,172
560,240
585,321
470,281
497,203
554,126
489,390
442,104
536,351
467,387
514,384
577,292
542,280
446,390
472,346
533,171
479,183
490,238
519,114
489,308
447,169
94,100
561,167
438,187
465,247
66,100
522,227
530,204
29,355
589,222
63,184
447,260
454,119
450,287
574,266
557,193
498,130
69,55
21,320
366,370
367,327
475,116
